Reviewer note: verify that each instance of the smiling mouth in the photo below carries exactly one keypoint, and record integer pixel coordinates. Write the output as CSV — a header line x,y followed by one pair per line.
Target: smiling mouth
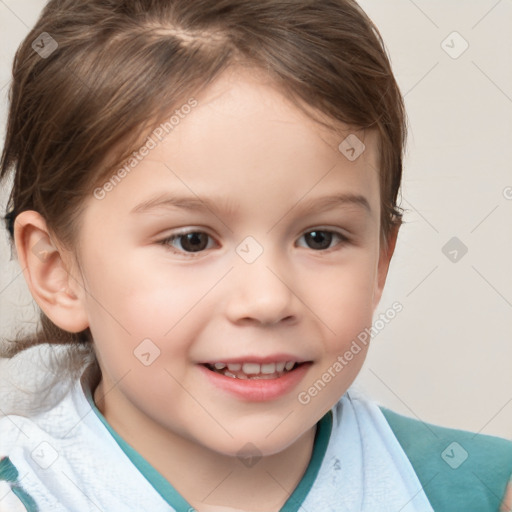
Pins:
x,y
254,371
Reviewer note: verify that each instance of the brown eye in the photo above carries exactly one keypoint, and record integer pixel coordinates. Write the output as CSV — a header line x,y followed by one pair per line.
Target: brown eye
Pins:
x,y
321,240
318,239
194,241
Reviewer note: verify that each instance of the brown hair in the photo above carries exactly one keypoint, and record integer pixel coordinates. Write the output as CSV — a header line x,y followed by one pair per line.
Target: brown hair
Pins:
x,y
119,67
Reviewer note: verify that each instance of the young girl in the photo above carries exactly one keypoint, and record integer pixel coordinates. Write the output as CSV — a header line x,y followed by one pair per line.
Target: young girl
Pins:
x,y
204,209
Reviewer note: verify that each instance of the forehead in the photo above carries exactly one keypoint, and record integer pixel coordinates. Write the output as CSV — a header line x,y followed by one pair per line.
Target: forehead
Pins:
x,y
248,112
245,138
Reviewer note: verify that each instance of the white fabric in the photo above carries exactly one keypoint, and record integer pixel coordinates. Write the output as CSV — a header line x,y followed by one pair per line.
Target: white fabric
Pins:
x,y
68,461
365,468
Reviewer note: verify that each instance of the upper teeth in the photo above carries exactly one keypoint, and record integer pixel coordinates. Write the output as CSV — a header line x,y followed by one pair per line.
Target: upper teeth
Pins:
x,y
255,368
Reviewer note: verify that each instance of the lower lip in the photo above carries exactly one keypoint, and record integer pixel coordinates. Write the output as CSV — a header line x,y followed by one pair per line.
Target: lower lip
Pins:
x,y
257,390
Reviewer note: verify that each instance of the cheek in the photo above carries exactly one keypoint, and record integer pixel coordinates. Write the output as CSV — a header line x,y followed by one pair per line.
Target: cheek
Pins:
x,y
135,292
132,301
342,298
343,305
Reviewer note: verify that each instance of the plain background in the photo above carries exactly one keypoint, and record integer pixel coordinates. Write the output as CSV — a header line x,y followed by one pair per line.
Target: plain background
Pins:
x,y
447,357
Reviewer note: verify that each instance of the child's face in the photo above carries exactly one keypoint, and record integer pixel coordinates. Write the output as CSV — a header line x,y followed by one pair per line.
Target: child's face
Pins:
x,y
261,283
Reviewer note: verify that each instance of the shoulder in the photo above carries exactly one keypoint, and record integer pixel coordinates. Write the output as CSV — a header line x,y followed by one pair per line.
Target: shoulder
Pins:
x,y
458,469
15,435
14,497
14,432
31,439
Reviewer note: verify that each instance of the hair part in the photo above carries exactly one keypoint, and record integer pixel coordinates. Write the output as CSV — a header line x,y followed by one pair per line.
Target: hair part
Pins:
x,y
120,68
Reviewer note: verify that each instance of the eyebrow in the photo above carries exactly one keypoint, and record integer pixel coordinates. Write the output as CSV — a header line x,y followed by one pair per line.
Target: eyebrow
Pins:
x,y
165,201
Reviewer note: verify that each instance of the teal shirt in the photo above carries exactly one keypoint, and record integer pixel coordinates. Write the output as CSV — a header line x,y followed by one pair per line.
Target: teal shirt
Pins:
x,y
459,470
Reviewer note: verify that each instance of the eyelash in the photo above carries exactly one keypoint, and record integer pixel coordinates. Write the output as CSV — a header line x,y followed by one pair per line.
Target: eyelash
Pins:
x,y
168,240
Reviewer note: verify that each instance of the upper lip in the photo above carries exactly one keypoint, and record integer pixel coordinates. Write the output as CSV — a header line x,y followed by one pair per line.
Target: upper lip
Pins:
x,y
276,358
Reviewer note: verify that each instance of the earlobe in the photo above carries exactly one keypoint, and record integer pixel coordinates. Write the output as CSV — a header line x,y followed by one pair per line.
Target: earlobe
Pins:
x,y
47,273
386,254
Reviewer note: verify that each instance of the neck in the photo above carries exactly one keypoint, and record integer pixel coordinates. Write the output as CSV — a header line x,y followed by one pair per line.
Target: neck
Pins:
x,y
207,480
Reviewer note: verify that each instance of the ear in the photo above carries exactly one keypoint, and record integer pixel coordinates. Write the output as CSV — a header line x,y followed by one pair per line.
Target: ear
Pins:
x,y
386,253
47,271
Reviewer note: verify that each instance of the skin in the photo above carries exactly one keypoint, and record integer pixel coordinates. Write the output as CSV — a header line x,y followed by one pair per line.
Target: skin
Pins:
x,y
248,145
506,505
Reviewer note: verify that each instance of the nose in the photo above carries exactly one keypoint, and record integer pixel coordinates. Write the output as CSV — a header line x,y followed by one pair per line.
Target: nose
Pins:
x,y
261,294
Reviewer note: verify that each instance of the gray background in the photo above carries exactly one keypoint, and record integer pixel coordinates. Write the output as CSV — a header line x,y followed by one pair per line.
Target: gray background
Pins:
x,y
447,357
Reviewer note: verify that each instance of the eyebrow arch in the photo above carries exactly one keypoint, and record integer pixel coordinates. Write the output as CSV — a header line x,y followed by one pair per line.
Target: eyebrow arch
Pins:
x,y
322,204
165,201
